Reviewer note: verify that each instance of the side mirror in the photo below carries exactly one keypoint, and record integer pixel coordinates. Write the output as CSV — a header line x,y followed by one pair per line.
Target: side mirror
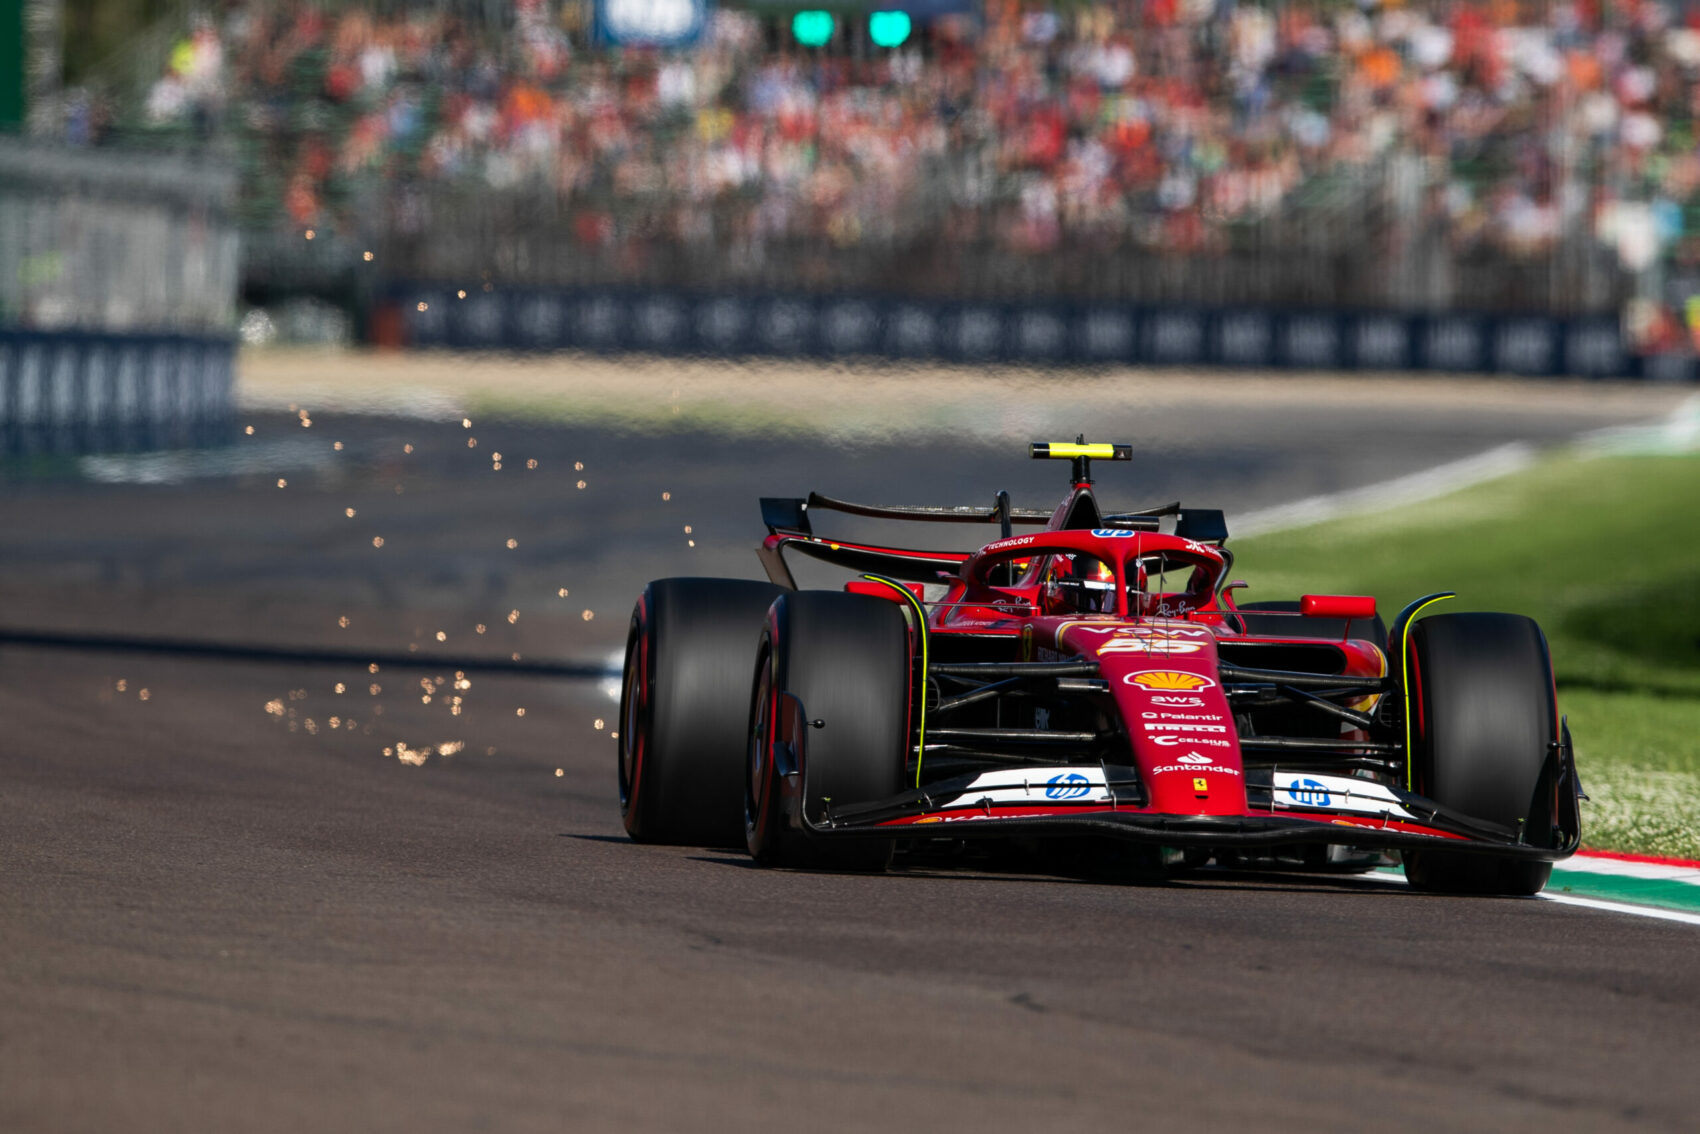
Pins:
x,y
1337,606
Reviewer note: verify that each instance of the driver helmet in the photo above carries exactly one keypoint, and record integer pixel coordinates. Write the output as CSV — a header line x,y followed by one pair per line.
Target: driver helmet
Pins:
x,y
1093,586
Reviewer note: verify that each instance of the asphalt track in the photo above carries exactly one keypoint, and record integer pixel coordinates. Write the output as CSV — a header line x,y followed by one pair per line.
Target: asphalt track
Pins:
x,y
218,911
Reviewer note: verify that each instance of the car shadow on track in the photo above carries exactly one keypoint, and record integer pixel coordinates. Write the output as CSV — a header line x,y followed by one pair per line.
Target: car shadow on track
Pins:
x,y
1201,880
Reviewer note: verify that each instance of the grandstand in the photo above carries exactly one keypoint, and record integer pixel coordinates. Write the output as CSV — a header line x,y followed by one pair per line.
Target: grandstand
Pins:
x,y
1482,156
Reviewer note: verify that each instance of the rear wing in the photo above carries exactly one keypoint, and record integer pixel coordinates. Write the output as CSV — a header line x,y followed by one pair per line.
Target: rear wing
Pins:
x,y
899,563
791,514
788,526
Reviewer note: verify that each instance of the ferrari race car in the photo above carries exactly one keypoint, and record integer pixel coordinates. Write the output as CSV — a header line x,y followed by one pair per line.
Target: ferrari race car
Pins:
x,y
1092,685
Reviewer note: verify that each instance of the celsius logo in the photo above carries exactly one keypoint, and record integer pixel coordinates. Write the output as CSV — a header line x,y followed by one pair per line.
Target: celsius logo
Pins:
x,y
1309,793
1177,741
1169,681
1073,785
1195,758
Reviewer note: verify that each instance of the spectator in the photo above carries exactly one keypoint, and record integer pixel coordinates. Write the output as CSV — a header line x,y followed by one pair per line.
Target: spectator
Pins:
x,y
1162,123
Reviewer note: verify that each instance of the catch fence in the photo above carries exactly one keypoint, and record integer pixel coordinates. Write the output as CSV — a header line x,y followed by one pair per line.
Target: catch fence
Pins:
x,y
118,286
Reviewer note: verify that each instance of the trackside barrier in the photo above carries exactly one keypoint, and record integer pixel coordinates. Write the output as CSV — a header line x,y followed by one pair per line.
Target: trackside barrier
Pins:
x,y
1025,333
82,392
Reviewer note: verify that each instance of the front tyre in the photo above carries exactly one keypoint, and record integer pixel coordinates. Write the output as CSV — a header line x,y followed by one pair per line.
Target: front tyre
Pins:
x,y
1484,720
682,709
842,660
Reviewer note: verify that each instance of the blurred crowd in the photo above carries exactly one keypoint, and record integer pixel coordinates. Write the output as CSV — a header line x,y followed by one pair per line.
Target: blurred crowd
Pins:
x,y
1172,124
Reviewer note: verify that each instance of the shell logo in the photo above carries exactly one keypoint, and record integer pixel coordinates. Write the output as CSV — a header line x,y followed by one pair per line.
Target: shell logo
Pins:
x,y
1168,680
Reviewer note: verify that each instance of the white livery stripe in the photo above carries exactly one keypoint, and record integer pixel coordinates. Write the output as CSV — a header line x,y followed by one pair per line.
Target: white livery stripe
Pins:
x,y
1048,785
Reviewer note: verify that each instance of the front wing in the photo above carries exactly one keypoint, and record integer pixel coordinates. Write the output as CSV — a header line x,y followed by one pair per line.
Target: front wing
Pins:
x,y
1281,810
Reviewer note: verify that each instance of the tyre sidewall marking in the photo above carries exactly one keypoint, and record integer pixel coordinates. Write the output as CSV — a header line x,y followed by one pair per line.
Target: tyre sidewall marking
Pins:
x,y
760,785
636,722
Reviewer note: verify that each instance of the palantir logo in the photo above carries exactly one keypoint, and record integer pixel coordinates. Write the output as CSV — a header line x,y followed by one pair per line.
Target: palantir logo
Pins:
x,y
1071,785
1309,793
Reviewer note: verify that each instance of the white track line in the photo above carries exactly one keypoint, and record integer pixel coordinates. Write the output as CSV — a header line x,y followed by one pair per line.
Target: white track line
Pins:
x,y
1675,433
1623,908
1654,912
1400,492
1628,868
174,466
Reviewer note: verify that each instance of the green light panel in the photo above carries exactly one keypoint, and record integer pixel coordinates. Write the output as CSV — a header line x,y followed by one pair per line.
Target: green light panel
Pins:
x,y
889,29
812,29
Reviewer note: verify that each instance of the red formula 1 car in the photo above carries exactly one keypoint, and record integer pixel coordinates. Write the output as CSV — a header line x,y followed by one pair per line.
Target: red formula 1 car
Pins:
x,y
1092,686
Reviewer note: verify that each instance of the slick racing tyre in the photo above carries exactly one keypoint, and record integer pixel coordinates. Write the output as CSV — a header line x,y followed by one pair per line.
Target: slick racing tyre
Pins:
x,y
1284,625
845,659
683,709
1483,720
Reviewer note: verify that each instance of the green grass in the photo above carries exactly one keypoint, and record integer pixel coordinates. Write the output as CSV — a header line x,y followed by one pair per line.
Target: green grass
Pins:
x,y
1605,554
1640,766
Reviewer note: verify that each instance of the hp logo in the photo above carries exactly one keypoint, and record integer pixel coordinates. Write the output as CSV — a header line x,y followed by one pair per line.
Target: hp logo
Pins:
x,y
1309,793
1070,786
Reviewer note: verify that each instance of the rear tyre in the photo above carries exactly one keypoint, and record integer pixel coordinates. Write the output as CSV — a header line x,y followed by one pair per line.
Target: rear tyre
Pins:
x,y
1484,717
845,658
682,709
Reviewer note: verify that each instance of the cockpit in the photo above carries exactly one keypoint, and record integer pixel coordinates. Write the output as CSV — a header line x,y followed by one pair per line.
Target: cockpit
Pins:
x,y
1077,583
1170,583
1164,582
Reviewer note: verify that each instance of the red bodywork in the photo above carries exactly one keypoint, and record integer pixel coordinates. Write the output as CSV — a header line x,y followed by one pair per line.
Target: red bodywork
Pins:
x,y
1159,656
1161,664
1170,698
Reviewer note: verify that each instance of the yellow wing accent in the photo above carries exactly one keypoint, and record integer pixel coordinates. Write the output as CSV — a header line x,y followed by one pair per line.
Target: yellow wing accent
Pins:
x,y
1405,682
921,629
